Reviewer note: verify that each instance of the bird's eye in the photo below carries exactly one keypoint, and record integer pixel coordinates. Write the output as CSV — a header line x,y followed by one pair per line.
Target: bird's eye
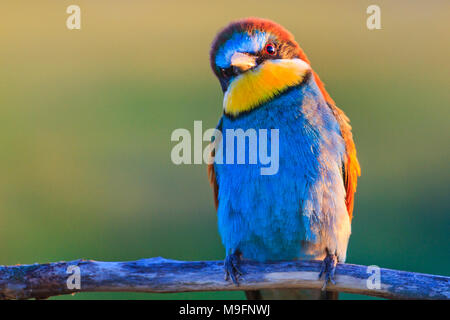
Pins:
x,y
270,49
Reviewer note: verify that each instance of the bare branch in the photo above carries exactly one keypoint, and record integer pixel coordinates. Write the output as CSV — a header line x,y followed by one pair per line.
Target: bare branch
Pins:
x,y
162,275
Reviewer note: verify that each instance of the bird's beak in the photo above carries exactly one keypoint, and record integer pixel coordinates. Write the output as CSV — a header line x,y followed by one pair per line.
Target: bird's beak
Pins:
x,y
243,61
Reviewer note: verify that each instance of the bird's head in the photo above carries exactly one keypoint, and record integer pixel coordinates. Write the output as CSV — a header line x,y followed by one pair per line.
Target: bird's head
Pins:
x,y
256,60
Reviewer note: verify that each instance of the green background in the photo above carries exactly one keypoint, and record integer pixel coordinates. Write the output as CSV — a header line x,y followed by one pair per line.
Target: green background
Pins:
x,y
86,117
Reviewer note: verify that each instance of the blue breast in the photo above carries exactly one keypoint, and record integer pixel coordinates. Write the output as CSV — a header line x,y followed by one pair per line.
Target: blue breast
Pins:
x,y
269,217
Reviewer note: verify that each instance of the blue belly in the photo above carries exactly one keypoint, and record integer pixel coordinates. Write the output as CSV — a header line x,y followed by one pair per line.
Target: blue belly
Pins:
x,y
270,217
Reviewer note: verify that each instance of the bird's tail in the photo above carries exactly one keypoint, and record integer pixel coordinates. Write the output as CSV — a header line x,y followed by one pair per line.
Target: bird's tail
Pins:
x,y
291,294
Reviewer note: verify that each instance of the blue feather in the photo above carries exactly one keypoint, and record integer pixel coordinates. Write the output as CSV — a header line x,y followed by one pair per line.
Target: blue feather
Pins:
x,y
271,217
240,42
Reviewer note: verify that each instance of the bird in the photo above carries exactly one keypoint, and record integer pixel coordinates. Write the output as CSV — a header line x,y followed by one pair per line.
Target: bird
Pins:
x,y
305,209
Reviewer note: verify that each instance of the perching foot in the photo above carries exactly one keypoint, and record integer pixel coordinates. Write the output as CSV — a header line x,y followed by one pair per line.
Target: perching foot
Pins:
x,y
232,267
328,268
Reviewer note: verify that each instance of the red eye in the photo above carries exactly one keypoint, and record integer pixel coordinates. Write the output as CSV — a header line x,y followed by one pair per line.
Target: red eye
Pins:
x,y
270,49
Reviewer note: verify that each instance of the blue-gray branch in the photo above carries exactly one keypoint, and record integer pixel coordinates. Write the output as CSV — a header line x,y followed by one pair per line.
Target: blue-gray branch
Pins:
x,y
162,275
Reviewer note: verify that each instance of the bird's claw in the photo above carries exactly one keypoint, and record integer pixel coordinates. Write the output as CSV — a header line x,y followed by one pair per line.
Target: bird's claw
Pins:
x,y
328,268
232,267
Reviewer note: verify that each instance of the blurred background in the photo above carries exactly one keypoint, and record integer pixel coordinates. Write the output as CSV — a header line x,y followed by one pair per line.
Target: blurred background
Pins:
x,y
86,117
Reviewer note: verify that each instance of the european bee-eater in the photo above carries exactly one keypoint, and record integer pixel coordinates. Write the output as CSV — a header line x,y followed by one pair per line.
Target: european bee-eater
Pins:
x,y
304,210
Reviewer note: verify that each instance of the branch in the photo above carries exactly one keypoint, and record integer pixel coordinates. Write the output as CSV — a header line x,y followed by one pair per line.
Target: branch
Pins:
x,y
162,275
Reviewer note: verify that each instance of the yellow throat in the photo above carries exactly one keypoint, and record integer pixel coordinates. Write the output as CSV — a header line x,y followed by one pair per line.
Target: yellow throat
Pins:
x,y
254,87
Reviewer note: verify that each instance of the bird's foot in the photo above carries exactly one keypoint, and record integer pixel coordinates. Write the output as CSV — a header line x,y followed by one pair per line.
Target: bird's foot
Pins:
x,y
232,267
328,268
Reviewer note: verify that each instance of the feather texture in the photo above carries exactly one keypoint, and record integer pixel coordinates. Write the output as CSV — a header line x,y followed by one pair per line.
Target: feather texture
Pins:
x,y
300,211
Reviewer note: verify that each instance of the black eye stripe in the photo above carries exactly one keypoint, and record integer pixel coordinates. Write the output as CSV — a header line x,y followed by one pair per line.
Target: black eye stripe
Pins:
x,y
270,51
228,72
